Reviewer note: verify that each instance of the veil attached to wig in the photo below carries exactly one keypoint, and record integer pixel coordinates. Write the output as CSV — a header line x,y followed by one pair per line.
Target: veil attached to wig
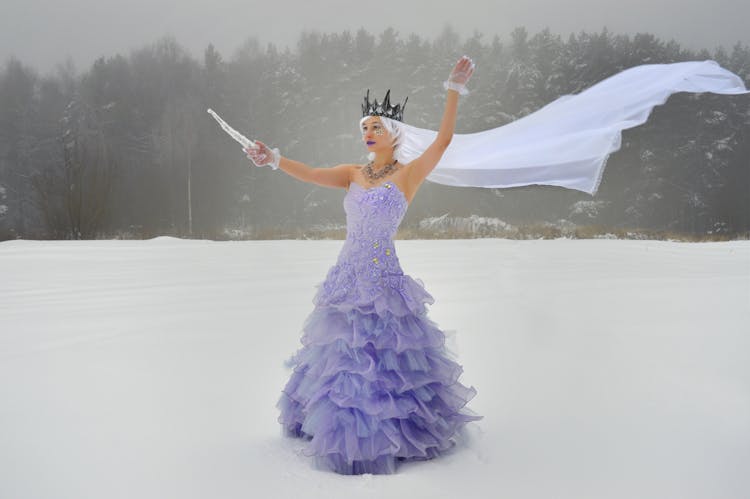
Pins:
x,y
567,142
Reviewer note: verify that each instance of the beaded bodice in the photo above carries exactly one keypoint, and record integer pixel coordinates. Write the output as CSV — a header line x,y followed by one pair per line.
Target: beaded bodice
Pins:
x,y
367,261
373,213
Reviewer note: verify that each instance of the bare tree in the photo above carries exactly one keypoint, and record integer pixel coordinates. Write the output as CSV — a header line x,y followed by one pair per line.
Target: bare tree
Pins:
x,y
74,196
3,212
177,138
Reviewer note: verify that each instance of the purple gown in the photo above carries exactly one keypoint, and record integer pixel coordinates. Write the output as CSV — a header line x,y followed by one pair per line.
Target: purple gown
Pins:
x,y
373,384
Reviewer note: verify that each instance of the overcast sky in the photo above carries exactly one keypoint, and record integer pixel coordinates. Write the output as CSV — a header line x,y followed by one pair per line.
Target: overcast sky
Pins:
x,y
43,32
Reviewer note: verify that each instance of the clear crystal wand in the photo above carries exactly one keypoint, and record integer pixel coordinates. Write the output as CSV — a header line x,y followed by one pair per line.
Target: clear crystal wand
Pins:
x,y
246,143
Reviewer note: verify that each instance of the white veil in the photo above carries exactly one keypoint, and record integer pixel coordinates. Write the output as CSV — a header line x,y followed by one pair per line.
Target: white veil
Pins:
x,y
567,142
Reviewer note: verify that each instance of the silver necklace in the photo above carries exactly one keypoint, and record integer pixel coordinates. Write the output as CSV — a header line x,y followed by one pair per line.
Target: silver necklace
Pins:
x,y
373,176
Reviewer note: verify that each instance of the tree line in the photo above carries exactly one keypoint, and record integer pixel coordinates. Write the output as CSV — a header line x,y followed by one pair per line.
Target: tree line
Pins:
x,y
127,149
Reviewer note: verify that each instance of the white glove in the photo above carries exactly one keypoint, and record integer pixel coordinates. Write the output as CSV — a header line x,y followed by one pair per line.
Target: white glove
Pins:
x,y
460,75
262,155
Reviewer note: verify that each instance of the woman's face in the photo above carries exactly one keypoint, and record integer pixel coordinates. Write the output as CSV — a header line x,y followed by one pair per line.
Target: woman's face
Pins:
x,y
375,136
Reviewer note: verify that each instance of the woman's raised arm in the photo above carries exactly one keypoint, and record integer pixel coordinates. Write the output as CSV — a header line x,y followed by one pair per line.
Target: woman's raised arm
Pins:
x,y
456,84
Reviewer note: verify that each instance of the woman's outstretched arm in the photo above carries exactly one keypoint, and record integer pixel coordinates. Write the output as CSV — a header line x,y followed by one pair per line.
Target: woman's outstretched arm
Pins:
x,y
337,176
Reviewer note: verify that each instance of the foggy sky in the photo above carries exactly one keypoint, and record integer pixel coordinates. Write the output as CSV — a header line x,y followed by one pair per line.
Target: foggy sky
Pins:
x,y
42,33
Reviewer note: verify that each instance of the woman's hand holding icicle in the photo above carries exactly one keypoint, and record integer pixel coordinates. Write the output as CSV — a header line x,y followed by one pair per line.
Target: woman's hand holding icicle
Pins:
x,y
460,76
262,155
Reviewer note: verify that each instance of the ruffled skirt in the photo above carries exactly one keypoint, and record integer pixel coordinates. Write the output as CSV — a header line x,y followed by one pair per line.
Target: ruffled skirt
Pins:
x,y
374,385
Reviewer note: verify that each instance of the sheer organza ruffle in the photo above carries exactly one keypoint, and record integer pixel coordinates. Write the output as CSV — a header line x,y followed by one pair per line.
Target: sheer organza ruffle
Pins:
x,y
374,384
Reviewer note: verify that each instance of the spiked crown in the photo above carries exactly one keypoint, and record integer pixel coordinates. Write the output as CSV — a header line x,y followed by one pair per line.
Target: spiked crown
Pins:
x,y
383,109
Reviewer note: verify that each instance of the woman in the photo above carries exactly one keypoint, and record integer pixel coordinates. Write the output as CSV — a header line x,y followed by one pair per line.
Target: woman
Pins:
x,y
374,384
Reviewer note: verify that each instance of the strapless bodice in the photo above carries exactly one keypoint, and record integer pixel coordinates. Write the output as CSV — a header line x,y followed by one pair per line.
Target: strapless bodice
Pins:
x,y
367,262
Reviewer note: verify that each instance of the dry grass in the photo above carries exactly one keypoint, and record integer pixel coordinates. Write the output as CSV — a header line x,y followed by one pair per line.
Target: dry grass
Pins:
x,y
523,232
540,231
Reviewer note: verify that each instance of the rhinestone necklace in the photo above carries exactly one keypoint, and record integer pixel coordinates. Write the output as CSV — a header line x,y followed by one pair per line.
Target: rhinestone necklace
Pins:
x,y
372,176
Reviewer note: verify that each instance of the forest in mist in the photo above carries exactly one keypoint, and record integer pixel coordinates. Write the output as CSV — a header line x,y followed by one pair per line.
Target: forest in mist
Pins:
x,y
126,148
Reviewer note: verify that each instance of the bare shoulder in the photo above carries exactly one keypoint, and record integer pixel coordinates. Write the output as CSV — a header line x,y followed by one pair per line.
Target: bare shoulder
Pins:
x,y
333,176
353,171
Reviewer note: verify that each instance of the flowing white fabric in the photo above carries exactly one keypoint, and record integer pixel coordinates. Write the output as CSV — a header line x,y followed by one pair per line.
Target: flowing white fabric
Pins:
x,y
567,142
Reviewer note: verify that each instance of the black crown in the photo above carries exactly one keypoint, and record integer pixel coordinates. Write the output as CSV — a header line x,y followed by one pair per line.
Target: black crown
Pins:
x,y
385,109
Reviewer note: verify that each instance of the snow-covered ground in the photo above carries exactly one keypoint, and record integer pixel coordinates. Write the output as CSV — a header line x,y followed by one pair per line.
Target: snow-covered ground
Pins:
x,y
150,369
